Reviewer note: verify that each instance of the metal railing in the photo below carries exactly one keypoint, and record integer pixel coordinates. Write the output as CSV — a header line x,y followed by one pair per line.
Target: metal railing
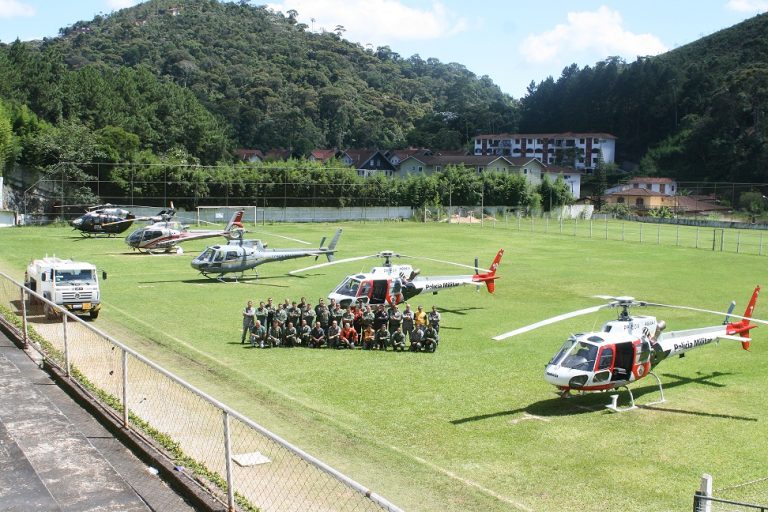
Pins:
x,y
704,501
241,463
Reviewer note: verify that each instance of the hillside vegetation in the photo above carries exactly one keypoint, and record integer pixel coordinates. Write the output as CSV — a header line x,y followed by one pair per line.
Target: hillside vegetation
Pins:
x,y
218,75
695,113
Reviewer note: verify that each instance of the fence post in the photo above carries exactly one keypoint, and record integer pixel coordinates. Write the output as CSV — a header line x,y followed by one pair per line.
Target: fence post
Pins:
x,y
738,241
125,388
228,462
66,344
24,337
722,239
705,491
714,239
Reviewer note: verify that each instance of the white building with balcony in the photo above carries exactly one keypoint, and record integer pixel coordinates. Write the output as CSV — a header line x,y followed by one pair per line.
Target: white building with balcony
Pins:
x,y
581,151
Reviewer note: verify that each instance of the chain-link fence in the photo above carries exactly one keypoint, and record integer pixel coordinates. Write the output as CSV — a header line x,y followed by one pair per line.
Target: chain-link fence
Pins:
x,y
239,462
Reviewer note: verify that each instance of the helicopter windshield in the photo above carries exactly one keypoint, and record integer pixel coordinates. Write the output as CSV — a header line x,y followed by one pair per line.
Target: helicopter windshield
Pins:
x,y
76,276
576,354
348,287
207,255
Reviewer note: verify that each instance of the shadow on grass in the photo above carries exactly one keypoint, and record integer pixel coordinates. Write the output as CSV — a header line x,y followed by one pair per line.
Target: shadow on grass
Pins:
x,y
595,402
462,311
213,281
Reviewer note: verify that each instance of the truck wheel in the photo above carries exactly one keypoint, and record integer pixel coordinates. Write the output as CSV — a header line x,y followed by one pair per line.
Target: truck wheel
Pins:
x,y
94,314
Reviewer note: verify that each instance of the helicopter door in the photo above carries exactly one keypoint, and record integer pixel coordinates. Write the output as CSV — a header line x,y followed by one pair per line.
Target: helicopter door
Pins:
x,y
625,358
642,358
396,291
379,295
604,365
364,292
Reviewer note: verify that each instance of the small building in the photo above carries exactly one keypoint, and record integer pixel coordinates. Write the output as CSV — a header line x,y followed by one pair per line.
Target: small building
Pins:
x,y
665,186
322,155
253,156
368,162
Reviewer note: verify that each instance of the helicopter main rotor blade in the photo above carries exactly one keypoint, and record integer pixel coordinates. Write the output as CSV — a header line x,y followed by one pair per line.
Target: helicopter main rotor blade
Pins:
x,y
334,262
291,239
472,267
699,310
554,319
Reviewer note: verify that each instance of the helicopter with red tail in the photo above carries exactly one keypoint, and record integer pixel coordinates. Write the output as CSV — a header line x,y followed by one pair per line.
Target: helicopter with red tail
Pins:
x,y
627,349
395,283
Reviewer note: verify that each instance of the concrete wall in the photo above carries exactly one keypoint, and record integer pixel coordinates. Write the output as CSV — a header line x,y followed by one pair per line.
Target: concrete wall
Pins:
x,y
307,214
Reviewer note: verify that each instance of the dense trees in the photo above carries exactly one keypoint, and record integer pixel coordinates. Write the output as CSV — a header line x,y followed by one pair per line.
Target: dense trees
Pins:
x,y
696,113
220,75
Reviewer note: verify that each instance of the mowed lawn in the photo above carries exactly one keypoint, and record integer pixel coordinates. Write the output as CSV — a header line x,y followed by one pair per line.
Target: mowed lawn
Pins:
x,y
472,426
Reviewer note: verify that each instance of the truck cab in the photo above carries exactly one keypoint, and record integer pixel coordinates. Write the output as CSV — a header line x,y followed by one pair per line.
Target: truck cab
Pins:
x,y
73,285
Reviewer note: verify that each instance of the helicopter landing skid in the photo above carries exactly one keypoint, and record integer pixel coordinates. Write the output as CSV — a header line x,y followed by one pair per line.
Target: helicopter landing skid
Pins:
x,y
615,398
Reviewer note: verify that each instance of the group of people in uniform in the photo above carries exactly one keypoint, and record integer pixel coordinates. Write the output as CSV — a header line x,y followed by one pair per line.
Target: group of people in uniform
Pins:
x,y
299,324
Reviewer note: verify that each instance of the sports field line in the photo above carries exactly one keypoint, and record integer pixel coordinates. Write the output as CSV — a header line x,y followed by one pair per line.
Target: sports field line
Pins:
x,y
338,423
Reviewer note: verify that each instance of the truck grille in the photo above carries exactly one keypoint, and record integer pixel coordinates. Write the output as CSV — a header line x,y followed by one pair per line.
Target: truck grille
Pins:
x,y
77,296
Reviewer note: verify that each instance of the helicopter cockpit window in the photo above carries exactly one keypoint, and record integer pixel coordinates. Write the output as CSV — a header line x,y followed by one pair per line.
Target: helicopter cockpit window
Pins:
x,y
149,235
231,255
219,256
580,356
365,290
348,287
207,255
396,287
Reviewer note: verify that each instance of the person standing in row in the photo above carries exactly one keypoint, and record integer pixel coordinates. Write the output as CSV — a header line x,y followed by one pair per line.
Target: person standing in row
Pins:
x,y
249,318
420,318
407,321
434,319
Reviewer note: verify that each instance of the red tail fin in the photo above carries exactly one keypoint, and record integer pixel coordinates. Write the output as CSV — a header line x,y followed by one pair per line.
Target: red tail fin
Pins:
x,y
489,277
743,326
236,221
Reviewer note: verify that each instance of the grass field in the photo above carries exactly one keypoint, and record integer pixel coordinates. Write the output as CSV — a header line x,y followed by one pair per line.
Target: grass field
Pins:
x,y
472,426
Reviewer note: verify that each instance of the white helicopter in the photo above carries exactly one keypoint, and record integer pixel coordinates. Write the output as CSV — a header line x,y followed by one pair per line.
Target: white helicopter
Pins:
x,y
629,348
240,255
167,234
393,284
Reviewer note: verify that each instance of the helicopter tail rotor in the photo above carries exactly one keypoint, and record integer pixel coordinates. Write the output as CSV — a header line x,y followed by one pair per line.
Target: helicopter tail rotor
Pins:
x,y
489,277
742,327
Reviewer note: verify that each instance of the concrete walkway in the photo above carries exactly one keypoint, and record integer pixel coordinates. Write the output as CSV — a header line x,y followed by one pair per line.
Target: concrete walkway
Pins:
x,y
54,456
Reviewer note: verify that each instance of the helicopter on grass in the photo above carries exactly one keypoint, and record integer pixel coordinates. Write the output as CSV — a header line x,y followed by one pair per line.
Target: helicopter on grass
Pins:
x,y
240,255
627,349
166,235
104,219
393,284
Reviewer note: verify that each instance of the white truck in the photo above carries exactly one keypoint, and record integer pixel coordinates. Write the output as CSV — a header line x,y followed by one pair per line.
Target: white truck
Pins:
x,y
71,284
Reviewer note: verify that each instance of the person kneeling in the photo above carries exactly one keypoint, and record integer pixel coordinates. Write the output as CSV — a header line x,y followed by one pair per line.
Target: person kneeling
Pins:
x,y
348,337
398,340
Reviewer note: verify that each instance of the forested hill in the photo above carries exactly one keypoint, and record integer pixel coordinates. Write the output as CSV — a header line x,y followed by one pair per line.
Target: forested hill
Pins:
x,y
695,113
208,76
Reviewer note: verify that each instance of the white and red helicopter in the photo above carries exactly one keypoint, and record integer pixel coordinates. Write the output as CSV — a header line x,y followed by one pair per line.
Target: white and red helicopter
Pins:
x,y
393,284
627,349
167,234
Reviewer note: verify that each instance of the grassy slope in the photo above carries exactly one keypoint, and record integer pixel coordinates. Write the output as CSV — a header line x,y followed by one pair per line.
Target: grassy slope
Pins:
x,y
449,430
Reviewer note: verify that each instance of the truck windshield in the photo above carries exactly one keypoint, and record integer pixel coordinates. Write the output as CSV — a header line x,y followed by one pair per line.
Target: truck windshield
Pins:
x,y
75,276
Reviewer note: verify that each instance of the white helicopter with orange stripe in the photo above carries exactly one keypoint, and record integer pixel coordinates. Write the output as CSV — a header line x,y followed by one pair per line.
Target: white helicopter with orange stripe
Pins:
x,y
629,348
393,284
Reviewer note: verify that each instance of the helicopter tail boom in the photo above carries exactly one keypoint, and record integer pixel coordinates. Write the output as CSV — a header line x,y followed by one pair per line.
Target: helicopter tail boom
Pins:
x,y
489,277
332,246
742,327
